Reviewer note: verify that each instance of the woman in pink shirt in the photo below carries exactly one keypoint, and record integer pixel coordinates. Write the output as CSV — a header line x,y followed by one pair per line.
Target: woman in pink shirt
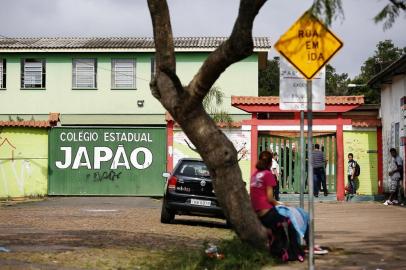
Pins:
x,y
262,186
283,238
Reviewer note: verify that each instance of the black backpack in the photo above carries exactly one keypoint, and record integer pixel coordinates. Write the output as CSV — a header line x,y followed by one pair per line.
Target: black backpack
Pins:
x,y
357,169
283,242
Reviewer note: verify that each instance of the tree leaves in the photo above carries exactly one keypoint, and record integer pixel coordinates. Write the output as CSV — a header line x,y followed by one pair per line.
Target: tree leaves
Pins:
x,y
390,12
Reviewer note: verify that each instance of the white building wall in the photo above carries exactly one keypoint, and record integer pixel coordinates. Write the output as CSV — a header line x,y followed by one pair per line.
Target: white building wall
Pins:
x,y
392,115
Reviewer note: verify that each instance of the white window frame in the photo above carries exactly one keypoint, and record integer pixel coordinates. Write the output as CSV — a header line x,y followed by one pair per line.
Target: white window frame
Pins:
x,y
33,73
84,73
3,73
153,67
124,76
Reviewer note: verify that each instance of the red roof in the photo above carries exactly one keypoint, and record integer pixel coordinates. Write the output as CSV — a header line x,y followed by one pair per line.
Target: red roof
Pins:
x,y
366,123
274,100
52,121
168,117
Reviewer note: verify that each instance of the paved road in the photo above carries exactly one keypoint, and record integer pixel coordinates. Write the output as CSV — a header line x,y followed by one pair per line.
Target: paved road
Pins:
x,y
360,235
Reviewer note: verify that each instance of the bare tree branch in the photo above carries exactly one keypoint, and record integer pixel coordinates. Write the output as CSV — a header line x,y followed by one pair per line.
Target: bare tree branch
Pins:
x,y
165,52
185,106
191,148
243,153
237,47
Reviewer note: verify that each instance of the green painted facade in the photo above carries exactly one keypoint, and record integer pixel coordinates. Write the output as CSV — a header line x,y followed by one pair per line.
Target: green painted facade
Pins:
x,y
94,108
58,95
107,161
23,162
363,145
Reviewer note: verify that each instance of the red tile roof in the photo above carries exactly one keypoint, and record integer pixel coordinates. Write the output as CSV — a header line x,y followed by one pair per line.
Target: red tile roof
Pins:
x,y
274,100
52,121
168,117
366,123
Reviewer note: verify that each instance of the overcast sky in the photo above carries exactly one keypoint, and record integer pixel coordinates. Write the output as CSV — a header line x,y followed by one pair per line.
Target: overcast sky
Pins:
x,y
74,18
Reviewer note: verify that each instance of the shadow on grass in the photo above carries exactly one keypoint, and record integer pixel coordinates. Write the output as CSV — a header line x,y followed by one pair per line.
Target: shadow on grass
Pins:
x,y
202,223
385,251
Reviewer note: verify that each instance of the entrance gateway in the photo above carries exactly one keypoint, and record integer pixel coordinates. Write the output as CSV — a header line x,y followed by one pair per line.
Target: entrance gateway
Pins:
x,y
107,161
287,145
270,123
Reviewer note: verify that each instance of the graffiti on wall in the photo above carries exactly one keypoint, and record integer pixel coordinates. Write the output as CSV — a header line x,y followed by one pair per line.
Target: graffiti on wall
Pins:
x,y
106,161
14,173
183,148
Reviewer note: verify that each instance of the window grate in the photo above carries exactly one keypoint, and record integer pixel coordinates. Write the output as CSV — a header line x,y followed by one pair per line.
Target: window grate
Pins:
x,y
84,73
123,73
33,73
2,71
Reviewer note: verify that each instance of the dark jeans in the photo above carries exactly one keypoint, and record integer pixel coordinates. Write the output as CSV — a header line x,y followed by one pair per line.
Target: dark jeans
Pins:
x,y
351,185
272,218
319,179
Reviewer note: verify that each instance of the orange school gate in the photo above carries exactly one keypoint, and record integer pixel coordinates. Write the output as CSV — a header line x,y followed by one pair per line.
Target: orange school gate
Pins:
x,y
345,119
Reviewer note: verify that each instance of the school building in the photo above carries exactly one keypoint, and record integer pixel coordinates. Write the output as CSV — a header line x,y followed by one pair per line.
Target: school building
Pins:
x,y
77,118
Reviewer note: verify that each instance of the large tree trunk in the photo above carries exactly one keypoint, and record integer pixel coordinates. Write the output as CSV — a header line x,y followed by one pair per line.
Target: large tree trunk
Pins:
x,y
185,106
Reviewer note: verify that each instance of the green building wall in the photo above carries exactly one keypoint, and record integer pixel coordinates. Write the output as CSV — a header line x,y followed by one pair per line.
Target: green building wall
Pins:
x,y
23,162
58,96
363,145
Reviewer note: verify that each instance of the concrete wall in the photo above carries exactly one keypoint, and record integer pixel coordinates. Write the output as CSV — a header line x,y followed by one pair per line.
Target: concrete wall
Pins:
x,y
58,96
391,114
23,162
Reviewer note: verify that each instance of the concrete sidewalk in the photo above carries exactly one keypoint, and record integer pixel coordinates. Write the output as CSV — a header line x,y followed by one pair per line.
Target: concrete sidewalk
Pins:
x,y
363,235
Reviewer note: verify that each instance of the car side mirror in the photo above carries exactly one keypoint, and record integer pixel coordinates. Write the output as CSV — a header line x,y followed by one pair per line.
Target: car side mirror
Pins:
x,y
166,174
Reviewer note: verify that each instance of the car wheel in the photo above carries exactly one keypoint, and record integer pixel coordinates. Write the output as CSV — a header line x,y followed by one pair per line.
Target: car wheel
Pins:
x,y
228,224
167,216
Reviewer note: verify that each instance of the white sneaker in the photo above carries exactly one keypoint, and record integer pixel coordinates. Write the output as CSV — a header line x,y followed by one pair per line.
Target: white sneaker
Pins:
x,y
387,202
319,251
395,201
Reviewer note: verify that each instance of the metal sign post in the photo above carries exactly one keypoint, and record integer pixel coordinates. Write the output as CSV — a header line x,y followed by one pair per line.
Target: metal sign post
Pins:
x,y
302,160
310,183
308,45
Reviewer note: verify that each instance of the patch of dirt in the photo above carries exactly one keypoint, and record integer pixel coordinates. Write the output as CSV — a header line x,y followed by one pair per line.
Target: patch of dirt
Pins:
x,y
48,235
125,233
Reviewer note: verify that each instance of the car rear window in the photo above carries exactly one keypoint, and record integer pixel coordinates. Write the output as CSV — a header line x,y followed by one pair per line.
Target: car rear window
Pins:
x,y
193,169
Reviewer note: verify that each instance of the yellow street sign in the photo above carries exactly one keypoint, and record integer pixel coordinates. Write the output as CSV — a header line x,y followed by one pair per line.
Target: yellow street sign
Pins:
x,y
308,45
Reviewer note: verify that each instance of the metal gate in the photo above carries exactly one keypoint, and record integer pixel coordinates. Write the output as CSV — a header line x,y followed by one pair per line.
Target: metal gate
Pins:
x,y
288,149
106,161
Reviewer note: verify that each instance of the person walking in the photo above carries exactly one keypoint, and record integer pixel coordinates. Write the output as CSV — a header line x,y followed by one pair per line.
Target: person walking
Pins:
x,y
395,172
276,171
319,173
351,176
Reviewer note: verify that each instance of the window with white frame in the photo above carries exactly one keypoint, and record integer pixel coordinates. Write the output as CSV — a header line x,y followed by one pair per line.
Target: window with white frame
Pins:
x,y
33,73
123,74
84,73
153,69
2,73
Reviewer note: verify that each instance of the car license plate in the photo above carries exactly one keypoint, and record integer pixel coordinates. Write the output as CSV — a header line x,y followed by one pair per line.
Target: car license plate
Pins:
x,y
200,202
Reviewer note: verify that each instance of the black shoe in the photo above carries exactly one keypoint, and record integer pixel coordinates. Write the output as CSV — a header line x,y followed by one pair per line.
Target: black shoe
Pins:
x,y
316,195
325,193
